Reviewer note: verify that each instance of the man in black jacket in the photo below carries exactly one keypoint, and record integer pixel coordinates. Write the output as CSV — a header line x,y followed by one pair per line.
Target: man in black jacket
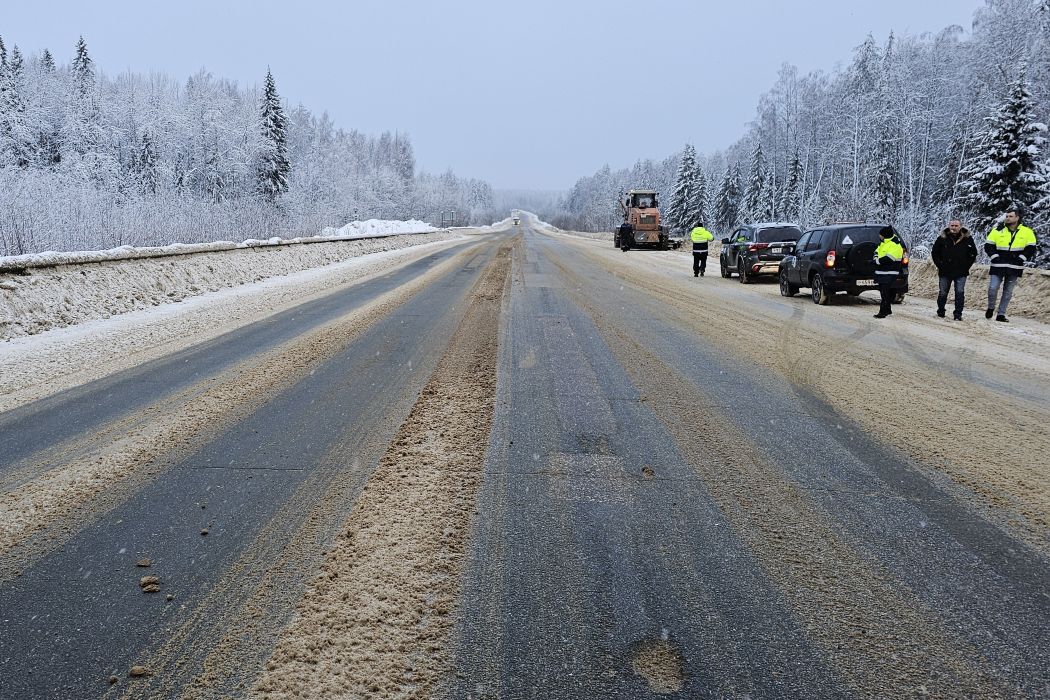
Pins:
x,y
954,253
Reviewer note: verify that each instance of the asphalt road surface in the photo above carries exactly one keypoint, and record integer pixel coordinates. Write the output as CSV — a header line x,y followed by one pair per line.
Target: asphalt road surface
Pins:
x,y
528,465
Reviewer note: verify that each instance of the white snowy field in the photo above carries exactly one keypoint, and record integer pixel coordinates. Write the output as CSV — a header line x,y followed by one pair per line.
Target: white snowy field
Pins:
x,y
232,289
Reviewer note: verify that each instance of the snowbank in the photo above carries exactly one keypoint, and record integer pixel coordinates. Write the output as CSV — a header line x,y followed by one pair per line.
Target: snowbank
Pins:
x,y
352,231
53,290
373,227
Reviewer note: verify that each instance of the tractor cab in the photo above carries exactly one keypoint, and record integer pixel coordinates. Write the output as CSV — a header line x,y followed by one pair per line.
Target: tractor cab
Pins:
x,y
641,199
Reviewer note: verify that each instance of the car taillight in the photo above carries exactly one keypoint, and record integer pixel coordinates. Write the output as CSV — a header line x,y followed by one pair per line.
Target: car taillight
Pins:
x,y
904,261
830,260
757,246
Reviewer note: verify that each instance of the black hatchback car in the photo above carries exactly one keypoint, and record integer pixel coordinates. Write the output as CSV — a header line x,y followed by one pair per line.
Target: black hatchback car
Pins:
x,y
837,258
757,249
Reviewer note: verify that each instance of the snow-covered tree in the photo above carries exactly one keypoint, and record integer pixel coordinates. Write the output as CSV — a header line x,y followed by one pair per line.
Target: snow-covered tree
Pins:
x,y
696,211
47,62
682,197
273,165
791,196
756,194
727,202
145,165
1006,167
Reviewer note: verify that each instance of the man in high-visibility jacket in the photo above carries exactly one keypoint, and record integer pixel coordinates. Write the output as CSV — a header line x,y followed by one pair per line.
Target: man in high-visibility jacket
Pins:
x,y
1008,248
700,237
889,261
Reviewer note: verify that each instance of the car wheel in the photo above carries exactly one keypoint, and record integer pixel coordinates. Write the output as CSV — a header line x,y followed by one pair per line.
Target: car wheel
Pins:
x,y
725,270
898,298
820,295
741,269
786,288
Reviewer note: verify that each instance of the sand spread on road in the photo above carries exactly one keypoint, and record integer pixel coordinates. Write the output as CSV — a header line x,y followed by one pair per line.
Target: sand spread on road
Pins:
x,y
376,620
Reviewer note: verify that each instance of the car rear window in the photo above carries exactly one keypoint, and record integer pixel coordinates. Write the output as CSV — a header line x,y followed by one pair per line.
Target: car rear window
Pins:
x,y
782,233
861,234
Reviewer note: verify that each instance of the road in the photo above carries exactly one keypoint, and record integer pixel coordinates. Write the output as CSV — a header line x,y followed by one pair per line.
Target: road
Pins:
x,y
528,465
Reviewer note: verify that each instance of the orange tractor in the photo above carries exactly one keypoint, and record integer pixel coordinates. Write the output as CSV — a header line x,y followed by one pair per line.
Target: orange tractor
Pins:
x,y
641,222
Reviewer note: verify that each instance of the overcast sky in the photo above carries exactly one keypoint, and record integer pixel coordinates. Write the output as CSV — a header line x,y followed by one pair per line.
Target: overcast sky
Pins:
x,y
532,94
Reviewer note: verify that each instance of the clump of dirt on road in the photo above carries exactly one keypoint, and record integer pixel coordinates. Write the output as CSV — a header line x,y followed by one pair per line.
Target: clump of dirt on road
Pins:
x,y
660,664
52,488
150,584
375,621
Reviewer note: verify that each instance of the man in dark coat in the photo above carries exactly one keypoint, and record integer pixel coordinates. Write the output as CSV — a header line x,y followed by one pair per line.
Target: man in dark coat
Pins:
x,y
954,253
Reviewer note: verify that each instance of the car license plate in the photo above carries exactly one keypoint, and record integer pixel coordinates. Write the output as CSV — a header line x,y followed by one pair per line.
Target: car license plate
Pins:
x,y
776,251
866,283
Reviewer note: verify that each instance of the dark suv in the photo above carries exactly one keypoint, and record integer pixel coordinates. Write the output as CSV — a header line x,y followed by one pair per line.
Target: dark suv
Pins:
x,y
757,249
837,258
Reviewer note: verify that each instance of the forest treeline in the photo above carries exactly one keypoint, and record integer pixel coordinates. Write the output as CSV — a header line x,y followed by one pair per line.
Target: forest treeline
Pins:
x,y
911,131
89,161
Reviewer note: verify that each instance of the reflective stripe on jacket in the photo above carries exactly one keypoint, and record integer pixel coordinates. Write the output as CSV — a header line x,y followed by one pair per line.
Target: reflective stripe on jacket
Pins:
x,y
1008,252
888,259
700,237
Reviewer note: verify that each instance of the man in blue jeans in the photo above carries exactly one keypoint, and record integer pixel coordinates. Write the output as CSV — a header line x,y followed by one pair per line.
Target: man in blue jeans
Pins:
x,y
954,253
1009,248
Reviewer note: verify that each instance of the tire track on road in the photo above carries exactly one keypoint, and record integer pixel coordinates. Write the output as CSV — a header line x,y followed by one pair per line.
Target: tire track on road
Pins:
x,y
995,466
883,643
39,515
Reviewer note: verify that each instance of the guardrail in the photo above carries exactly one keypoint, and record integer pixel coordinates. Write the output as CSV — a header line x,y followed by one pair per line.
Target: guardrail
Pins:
x,y
20,263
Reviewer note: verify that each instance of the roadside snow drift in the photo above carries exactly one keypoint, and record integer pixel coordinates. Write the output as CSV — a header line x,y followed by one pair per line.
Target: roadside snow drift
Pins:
x,y
53,290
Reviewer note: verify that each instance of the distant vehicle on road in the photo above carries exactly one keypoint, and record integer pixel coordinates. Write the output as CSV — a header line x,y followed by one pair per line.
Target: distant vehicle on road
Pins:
x,y
641,222
757,249
676,236
837,258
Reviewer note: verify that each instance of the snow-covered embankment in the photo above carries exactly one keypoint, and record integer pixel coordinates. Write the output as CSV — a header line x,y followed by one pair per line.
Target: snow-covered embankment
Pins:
x,y
53,290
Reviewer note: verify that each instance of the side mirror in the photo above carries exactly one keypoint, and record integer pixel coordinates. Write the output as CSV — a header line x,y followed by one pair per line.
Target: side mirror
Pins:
x,y
725,241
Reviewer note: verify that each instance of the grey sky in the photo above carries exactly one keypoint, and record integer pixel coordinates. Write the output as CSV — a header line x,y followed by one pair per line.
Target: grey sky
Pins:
x,y
526,95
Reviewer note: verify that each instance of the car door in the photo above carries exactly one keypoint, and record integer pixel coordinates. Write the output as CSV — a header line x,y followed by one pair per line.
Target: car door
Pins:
x,y
808,256
793,267
741,238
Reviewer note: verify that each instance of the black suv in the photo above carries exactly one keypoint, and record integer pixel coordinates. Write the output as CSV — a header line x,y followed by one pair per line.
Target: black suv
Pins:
x,y
757,249
837,258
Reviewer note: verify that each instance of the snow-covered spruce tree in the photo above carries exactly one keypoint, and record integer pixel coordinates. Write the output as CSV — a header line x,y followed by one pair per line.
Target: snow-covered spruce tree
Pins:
x,y
1005,166
145,164
273,166
696,211
82,70
791,197
678,208
47,62
756,205
16,140
727,202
